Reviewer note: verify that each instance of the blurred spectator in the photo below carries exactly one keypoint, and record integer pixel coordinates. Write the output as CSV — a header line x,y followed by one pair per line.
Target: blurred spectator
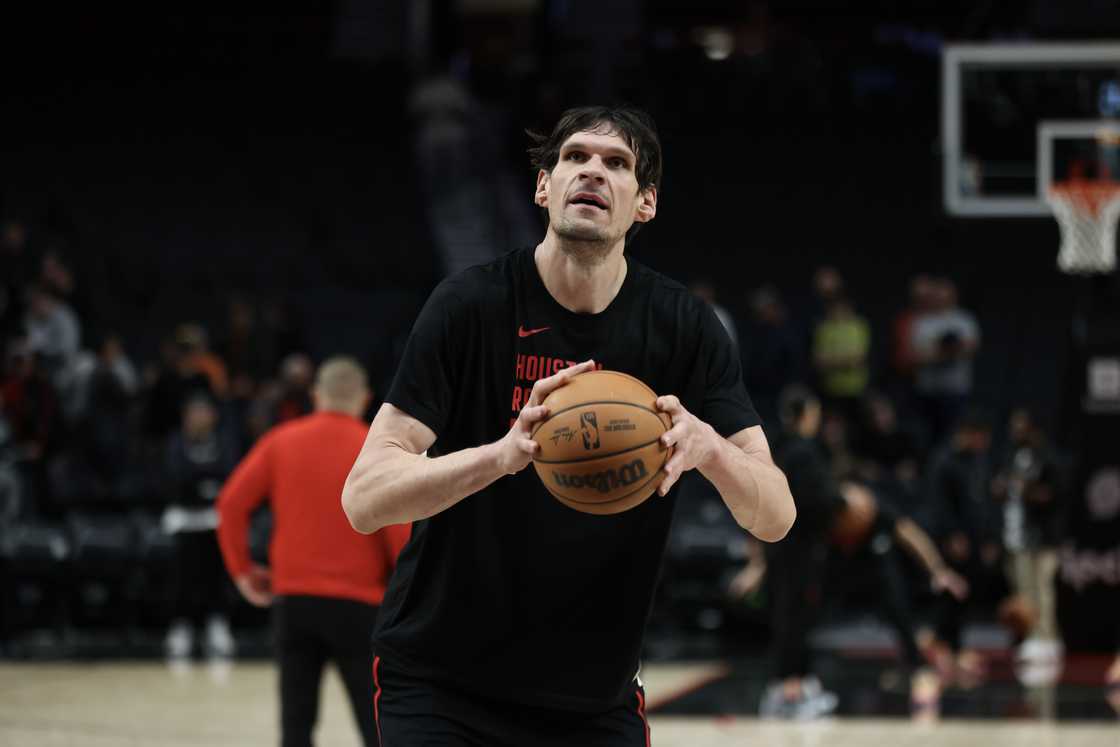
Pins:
x,y
32,411
945,342
199,458
964,520
106,373
195,346
170,384
772,355
703,289
297,373
796,565
1029,485
100,407
53,332
841,345
55,274
248,348
828,286
885,447
904,358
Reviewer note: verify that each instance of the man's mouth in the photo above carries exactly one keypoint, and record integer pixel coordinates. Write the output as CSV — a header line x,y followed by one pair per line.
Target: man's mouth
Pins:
x,y
590,199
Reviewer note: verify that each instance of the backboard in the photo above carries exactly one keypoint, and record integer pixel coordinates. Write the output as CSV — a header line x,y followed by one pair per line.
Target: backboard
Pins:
x,y
995,97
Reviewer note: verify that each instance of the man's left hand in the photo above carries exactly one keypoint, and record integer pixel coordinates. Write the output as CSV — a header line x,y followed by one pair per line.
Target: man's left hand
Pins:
x,y
693,441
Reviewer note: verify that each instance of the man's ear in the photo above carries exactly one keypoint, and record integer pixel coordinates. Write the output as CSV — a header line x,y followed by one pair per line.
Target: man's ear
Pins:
x,y
541,196
646,208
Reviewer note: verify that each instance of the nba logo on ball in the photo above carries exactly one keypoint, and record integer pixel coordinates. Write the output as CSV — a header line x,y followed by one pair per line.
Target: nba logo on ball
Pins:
x,y
590,427
616,463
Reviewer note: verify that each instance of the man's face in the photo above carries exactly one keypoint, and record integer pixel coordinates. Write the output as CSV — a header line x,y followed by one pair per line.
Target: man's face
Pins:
x,y
592,192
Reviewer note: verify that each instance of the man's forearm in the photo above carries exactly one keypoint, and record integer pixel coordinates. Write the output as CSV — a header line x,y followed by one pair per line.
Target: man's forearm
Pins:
x,y
756,491
398,487
919,545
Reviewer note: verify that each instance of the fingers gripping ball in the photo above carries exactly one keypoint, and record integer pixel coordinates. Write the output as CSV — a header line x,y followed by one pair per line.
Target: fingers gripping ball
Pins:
x,y
600,451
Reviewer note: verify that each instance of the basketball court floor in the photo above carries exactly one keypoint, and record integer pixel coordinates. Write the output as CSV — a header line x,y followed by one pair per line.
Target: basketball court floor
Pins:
x,y
233,705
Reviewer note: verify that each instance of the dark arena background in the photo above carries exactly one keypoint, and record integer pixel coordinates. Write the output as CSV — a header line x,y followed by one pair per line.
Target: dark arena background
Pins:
x,y
193,194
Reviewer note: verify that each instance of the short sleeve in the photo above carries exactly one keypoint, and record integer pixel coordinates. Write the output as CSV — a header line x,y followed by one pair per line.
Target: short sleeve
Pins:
x,y
727,406
425,379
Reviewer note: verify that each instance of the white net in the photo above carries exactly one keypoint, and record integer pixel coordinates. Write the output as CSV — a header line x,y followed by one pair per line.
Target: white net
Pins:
x,y
1087,212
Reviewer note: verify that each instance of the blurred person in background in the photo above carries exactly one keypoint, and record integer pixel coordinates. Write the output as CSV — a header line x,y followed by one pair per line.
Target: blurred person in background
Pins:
x,y
96,375
841,346
945,341
964,519
772,355
33,413
889,451
199,457
1029,485
248,348
297,375
101,395
53,332
170,383
828,287
706,291
866,532
194,344
904,358
797,563
326,580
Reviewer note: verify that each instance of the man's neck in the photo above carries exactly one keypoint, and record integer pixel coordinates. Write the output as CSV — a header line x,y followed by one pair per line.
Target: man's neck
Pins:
x,y
583,287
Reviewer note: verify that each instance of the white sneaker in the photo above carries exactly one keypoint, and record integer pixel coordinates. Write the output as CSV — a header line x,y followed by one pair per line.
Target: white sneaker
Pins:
x,y
179,641
219,639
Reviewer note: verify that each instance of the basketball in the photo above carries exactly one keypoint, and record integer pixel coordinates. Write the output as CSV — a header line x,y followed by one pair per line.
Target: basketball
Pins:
x,y
600,449
853,523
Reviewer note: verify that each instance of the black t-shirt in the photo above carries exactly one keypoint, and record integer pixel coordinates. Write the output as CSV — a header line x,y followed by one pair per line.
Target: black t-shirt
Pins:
x,y
509,592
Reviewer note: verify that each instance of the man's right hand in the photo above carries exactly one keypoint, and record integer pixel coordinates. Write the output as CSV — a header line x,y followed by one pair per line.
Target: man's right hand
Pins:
x,y
256,586
516,449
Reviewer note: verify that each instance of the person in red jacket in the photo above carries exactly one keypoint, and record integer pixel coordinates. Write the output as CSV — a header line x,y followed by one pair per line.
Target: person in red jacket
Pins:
x,y
326,581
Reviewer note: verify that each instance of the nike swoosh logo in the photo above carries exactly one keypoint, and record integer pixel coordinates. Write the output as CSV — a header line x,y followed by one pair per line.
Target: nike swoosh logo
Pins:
x,y
522,332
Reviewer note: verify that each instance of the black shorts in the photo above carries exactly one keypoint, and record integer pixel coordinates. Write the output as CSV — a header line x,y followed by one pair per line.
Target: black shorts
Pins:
x,y
411,712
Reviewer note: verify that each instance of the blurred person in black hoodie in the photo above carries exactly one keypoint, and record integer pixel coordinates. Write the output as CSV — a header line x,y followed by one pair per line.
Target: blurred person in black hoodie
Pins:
x,y
797,563
964,519
200,456
864,531
1029,485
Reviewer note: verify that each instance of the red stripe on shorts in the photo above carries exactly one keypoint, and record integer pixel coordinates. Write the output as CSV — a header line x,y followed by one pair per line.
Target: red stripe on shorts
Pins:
x,y
377,697
642,713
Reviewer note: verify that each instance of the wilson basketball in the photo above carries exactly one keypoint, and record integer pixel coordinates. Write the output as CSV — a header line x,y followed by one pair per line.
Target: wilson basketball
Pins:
x,y
600,449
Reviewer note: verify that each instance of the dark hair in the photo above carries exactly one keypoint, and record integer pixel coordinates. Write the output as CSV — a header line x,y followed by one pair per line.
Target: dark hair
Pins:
x,y
792,403
631,124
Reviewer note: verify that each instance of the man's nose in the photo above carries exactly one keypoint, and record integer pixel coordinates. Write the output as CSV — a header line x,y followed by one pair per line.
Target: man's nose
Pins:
x,y
593,169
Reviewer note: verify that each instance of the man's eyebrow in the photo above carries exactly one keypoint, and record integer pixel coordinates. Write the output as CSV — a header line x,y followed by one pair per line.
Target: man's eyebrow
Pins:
x,y
613,150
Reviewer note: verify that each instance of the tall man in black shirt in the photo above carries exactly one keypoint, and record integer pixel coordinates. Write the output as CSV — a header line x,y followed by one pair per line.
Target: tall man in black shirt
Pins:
x,y
511,618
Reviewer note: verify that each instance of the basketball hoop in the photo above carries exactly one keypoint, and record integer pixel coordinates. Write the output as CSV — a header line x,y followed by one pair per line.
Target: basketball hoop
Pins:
x,y
1087,211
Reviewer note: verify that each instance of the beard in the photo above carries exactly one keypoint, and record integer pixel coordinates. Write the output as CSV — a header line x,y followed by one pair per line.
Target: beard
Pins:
x,y
585,243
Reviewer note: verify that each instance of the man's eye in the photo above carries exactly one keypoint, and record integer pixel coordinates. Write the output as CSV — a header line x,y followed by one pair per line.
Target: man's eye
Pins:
x,y
618,163
575,155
